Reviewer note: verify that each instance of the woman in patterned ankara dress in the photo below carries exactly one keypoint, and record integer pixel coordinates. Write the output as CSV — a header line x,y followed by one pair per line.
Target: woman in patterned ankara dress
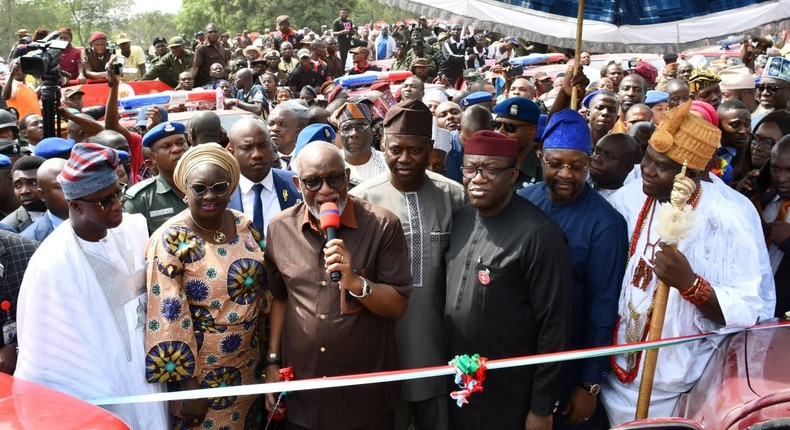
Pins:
x,y
207,293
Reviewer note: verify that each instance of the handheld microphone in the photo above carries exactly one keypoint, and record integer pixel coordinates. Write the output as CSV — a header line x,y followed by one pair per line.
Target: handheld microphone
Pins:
x,y
329,216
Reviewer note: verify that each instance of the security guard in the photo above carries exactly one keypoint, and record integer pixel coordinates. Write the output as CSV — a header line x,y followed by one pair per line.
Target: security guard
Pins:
x,y
157,198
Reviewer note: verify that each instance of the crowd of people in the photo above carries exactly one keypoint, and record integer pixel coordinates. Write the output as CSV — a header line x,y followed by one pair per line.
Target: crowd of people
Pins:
x,y
464,210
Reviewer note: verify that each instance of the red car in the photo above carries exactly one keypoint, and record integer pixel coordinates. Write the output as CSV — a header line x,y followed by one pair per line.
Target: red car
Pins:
x,y
744,386
26,405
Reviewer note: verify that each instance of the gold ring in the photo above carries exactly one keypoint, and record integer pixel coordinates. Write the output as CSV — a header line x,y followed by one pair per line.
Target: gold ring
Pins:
x,y
342,258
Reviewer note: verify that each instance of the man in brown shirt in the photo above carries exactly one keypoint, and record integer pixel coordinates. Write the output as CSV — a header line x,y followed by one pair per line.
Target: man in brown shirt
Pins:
x,y
323,328
206,54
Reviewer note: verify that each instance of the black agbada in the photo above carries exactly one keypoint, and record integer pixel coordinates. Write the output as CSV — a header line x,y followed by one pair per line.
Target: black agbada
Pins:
x,y
508,295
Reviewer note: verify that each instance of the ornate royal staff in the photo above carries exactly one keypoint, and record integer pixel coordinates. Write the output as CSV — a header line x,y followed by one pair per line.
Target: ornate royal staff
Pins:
x,y
675,219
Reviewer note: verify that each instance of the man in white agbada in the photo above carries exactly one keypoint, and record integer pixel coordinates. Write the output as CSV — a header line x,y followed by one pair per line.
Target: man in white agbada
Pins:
x,y
714,273
82,302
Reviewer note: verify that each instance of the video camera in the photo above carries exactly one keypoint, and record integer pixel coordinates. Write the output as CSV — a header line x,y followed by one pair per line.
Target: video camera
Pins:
x,y
43,56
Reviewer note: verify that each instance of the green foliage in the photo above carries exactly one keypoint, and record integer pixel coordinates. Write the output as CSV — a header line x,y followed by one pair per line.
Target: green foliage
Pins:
x,y
143,28
113,16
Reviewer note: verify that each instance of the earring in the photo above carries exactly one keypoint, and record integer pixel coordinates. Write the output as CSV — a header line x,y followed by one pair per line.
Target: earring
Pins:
x,y
186,200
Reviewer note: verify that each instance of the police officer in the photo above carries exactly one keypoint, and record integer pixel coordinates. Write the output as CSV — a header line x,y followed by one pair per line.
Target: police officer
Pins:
x,y
158,198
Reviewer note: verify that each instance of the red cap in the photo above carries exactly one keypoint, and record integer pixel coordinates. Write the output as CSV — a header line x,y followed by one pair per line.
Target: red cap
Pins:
x,y
97,35
329,215
487,142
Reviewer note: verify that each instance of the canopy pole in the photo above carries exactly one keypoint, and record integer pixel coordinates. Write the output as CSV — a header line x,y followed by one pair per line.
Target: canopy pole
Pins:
x,y
577,59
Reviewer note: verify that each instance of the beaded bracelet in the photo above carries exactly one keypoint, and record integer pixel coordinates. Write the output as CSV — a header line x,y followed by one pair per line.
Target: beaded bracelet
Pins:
x,y
699,292
691,290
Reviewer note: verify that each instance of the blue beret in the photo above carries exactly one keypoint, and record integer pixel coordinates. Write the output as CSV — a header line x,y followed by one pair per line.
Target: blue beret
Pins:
x,y
312,133
475,98
541,127
5,162
654,97
587,99
567,130
518,108
162,131
122,155
54,147
141,118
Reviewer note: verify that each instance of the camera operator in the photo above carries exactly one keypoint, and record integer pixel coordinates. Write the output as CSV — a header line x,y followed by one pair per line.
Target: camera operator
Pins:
x,y
71,57
96,57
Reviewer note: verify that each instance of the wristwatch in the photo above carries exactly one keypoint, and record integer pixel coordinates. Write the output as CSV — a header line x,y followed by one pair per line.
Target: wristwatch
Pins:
x,y
366,289
591,389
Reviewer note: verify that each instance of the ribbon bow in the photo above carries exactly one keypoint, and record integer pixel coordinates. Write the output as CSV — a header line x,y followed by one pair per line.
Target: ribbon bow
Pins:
x,y
470,372
279,412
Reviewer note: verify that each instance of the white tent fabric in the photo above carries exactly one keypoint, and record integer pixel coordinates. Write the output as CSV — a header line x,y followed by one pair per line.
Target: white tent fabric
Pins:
x,y
603,37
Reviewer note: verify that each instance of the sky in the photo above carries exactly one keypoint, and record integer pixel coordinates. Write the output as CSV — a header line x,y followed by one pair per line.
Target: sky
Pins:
x,y
171,6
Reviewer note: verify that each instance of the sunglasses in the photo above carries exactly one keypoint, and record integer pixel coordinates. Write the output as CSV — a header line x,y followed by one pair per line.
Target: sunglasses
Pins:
x,y
771,89
218,189
107,203
508,126
314,183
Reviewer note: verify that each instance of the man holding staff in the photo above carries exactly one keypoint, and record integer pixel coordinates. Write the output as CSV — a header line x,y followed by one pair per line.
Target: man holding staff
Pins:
x,y
711,287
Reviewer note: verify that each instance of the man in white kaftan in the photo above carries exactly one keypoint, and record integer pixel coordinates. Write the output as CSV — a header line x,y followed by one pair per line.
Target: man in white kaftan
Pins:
x,y
82,302
719,251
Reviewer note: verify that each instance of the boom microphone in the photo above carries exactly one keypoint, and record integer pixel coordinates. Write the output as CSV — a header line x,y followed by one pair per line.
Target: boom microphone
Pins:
x,y
329,216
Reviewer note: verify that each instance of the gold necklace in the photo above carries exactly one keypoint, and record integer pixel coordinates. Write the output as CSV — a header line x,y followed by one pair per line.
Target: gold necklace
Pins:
x,y
219,236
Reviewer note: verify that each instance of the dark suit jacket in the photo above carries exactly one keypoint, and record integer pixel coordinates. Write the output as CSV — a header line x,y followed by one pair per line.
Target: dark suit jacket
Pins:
x,y
15,252
40,229
18,219
287,193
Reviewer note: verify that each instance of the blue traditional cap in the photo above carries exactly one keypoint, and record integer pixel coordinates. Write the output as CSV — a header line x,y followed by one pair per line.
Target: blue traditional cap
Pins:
x,y
90,168
141,118
5,162
122,155
475,98
588,98
778,68
541,127
313,133
519,109
54,147
567,130
653,97
162,131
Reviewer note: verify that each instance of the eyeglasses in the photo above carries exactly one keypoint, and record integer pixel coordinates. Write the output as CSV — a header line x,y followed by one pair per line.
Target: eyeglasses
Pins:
x,y
508,126
771,89
358,128
107,203
219,189
488,173
558,165
764,141
314,183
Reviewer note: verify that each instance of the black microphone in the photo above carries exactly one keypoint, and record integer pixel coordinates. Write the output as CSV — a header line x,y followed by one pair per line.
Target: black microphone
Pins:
x,y
329,216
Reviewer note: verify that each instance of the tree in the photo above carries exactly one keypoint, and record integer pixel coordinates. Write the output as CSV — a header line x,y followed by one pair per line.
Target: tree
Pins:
x,y
88,16
143,28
